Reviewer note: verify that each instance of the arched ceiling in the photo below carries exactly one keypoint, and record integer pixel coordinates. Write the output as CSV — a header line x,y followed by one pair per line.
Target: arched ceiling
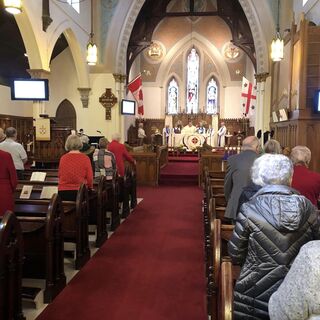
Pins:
x,y
153,12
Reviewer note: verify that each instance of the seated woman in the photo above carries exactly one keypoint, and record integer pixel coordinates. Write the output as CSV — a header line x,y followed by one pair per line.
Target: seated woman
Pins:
x,y
104,160
74,169
298,297
268,234
307,182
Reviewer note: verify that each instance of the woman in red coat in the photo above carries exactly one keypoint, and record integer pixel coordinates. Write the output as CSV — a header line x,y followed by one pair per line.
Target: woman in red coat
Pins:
x,y
8,182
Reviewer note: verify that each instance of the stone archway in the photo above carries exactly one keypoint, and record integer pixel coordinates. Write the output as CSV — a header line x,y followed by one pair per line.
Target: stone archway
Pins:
x,y
259,24
66,115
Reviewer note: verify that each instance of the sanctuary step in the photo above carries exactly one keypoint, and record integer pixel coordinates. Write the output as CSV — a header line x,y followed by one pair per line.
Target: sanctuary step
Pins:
x,y
180,173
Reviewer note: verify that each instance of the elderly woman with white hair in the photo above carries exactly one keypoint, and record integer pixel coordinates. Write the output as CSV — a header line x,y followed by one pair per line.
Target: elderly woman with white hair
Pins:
x,y
304,180
270,229
74,169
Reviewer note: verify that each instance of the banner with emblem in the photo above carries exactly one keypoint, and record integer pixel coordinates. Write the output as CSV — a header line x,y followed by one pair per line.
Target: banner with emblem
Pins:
x,y
43,129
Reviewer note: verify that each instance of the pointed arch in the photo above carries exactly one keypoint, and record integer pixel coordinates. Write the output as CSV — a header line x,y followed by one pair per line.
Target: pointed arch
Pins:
x,y
77,52
172,96
212,95
66,114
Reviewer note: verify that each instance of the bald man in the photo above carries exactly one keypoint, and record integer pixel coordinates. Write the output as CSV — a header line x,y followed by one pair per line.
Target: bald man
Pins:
x,y
238,174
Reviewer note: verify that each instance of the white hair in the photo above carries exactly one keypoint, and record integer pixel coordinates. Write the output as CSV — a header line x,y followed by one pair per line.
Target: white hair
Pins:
x,y
84,139
300,155
116,136
272,169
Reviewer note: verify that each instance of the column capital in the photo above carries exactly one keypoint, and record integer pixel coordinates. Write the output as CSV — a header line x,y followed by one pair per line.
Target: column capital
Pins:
x,y
119,77
84,96
38,73
261,77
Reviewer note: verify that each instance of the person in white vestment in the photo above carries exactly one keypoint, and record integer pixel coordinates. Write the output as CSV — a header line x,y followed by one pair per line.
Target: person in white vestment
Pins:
x,y
201,129
189,128
222,135
141,134
210,136
166,134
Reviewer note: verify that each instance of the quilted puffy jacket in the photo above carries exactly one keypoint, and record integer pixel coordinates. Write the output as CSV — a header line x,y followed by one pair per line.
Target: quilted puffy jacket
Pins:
x,y
268,234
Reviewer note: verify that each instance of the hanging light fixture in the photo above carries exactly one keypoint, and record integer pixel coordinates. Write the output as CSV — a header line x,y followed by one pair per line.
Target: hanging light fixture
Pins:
x,y
13,6
277,44
92,50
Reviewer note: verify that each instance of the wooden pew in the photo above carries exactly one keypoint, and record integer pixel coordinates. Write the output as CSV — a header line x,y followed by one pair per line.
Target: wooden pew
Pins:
x,y
11,261
226,292
75,222
41,222
97,202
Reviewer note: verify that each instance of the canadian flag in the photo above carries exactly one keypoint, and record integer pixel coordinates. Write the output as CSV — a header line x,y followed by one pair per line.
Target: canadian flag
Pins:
x,y
135,87
248,98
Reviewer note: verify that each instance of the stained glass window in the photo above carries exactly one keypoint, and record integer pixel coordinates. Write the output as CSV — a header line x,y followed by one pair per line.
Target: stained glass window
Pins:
x,y
173,95
193,82
212,97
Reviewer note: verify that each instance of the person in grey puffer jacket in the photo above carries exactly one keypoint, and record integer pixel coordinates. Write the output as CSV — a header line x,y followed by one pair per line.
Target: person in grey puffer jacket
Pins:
x,y
269,232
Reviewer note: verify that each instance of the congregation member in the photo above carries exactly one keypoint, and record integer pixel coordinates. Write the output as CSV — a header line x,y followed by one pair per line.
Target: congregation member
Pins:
x,y
222,135
74,169
8,182
16,150
238,174
269,232
120,152
104,160
298,297
304,180
2,135
272,147
141,134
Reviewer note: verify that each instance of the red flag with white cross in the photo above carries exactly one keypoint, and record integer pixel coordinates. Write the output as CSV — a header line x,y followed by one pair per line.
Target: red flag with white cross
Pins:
x,y
135,87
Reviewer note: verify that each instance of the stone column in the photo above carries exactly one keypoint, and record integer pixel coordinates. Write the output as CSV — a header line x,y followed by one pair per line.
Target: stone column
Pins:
x,y
261,105
120,94
39,107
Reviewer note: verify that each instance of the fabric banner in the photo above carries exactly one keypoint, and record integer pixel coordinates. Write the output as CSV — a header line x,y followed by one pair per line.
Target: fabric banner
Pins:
x,y
248,98
135,87
43,129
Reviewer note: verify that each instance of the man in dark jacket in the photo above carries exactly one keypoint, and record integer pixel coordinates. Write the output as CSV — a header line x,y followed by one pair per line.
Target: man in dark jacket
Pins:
x,y
268,234
238,174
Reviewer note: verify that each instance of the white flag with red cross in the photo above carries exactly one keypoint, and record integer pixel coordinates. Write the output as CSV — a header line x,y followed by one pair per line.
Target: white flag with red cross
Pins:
x,y
248,98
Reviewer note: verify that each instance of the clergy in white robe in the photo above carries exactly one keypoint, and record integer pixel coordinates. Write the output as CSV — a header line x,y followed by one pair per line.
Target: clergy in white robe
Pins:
x,y
222,135
189,129
211,136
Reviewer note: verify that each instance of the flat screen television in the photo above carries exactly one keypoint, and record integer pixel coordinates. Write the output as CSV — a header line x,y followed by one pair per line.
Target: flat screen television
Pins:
x,y
316,102
128,107
29,89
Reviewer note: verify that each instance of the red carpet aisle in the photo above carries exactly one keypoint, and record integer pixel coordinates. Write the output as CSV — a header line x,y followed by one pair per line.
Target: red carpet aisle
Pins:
x,y
152,268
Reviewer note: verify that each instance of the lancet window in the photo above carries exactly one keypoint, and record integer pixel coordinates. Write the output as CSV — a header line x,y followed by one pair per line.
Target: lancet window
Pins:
x,y
173,97
193,82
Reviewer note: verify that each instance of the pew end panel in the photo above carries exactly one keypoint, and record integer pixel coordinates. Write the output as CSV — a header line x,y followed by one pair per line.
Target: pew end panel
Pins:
x,y
11,261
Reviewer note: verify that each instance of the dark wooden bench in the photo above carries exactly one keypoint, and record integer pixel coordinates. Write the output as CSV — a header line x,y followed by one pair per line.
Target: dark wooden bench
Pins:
x,y
75,222
11,261
225,310
41,222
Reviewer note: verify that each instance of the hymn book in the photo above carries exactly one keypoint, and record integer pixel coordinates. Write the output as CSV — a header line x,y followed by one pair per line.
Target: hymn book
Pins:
x,y
26,192
48,192
38,176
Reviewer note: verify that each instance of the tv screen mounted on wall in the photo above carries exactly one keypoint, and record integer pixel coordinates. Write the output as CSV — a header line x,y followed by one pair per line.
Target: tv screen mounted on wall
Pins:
x,y
316,102
128,107
30,89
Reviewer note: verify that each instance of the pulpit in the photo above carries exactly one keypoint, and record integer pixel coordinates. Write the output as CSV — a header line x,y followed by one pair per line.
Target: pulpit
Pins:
x,y
48,153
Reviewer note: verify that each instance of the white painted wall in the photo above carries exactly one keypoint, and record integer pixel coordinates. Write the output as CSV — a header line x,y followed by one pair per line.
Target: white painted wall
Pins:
x,y
232,106
14,108
154,109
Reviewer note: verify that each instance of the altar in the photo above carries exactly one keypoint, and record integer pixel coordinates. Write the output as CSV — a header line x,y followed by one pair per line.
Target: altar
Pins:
x,y
188,141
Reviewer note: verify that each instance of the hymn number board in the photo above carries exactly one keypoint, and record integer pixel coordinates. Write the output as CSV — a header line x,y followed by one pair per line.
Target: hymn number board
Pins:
x,y
108,100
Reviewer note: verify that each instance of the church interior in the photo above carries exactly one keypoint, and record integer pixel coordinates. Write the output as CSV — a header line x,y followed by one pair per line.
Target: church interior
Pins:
x,y
181,84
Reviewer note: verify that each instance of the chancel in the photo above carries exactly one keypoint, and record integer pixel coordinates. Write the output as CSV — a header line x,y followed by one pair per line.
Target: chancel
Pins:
x,y
139,112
